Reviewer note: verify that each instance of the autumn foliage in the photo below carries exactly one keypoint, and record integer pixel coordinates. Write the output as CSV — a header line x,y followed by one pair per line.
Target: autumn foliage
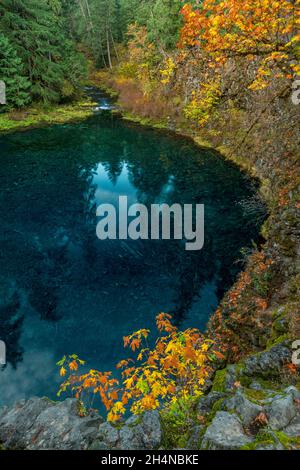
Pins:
x,y
267,29
243,319
175,369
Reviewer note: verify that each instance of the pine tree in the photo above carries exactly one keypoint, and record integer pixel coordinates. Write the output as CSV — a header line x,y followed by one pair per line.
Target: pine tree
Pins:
x,y
36,29
164,23
11,73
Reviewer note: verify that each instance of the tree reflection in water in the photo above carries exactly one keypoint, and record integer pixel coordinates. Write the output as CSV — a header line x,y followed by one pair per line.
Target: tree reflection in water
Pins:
x,y
82,295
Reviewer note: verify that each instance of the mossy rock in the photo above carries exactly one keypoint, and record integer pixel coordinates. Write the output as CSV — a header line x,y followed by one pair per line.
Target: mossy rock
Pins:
x,y
278,340
216,407
263,438
289,443
177,427
219,383
254,445
257,395
268,384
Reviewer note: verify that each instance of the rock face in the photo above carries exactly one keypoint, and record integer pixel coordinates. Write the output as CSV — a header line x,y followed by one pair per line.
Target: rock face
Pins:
x,y
281,412
39,424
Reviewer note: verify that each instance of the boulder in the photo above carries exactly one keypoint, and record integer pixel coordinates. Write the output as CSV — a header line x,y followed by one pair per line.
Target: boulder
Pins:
x,y
225,432
245,408
281,411
138,433
268,363
194,440
206,402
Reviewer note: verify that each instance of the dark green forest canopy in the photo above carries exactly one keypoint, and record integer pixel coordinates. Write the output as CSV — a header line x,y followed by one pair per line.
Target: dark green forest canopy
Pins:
x,y
44,43
37,35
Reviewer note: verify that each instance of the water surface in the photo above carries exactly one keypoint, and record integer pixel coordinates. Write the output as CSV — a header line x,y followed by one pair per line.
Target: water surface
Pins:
x,y
61,289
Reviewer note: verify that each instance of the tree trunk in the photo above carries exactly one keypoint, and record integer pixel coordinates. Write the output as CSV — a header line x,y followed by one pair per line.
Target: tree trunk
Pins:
x,y
114,45
108,48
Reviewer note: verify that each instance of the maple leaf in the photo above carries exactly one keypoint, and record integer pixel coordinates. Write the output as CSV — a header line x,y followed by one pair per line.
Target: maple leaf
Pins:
x,y
261,419
73,365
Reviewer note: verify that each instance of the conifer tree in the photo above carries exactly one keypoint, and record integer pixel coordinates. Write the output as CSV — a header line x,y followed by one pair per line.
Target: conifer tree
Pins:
x,y
11,73
36,29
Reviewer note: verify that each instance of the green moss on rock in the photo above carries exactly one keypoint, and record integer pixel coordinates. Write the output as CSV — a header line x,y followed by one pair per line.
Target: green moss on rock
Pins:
x,y
278,340
288,442
219,383
256,395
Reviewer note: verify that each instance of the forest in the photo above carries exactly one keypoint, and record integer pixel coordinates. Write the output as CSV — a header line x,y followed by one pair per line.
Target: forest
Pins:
x,y
46,45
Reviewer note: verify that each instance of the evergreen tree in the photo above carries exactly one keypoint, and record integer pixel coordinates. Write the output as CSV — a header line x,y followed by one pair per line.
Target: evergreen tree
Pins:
x,y
11,73
164,23
161,17
36,29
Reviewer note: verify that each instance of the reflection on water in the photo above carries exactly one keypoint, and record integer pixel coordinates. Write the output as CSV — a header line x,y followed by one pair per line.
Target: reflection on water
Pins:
x,y
64,291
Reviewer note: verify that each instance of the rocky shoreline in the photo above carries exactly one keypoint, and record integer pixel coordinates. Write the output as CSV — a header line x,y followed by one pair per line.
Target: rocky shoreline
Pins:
x,y
246,417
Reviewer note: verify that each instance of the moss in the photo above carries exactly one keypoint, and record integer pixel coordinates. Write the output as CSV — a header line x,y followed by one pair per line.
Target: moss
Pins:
x,y
255,444
264,231
216,407
243,379
256,395
267,384
175,433
263,438
280,339
143,121
39,116
288,442
219,383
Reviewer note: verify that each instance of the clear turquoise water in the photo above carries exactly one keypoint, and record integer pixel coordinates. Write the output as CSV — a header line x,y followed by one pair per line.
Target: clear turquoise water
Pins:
x,y
64,291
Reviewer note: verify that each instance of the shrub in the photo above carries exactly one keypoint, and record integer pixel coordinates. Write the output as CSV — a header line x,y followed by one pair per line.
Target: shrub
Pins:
x,y
174,370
